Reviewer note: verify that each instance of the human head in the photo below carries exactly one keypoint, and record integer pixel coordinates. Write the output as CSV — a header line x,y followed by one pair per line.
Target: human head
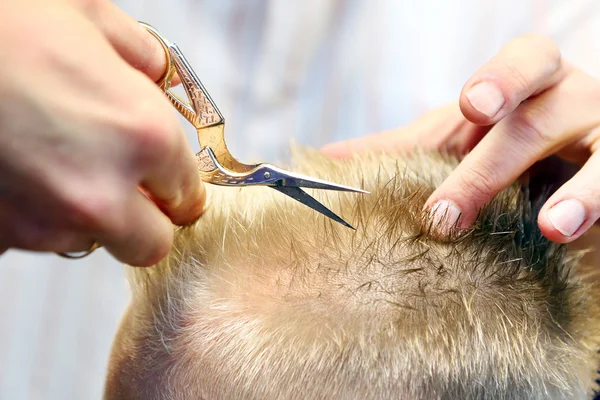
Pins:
x,y
264,298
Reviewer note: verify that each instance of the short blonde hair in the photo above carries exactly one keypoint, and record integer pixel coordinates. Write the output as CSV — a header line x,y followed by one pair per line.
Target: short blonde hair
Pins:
x,y
265,298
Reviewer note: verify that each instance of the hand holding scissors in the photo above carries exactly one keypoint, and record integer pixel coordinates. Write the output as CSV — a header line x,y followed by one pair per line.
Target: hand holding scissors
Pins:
x,y
83,128
217,166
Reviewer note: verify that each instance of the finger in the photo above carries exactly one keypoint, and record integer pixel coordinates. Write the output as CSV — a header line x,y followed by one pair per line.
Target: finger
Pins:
x,y
172,180
133,43
526,66
574,208
430,131
533,131
465,139
141,235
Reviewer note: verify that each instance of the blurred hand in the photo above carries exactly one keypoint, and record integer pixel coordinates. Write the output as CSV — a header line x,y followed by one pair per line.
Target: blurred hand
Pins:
x,y
90,148
524,105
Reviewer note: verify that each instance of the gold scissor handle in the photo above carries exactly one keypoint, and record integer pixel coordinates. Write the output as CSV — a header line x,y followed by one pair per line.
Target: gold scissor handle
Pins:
x,y
201,111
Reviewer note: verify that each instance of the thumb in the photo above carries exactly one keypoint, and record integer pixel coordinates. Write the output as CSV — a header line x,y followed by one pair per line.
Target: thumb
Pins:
x,y
575,207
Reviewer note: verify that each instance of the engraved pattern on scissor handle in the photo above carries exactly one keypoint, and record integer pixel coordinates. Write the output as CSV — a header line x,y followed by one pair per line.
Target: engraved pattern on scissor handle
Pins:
x,y
203,111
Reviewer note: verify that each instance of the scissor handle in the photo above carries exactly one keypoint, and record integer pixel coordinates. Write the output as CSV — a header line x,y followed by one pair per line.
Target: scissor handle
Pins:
x,y
202,112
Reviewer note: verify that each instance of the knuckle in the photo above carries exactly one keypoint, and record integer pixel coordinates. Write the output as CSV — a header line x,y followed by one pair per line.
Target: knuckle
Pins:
x,y
154,133
93,209
479,183
545,47
531,125
541,49
517,81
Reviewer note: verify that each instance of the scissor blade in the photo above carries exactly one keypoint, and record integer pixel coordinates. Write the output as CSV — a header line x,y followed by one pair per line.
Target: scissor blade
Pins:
x,y
306,199
313,183
281,177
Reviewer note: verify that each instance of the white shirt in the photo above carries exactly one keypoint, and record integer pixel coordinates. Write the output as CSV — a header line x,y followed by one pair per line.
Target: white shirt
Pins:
x,y
314,71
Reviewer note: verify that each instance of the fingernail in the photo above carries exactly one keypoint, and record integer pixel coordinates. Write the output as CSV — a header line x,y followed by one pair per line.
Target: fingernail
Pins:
x,y
567,216
444,215
486,98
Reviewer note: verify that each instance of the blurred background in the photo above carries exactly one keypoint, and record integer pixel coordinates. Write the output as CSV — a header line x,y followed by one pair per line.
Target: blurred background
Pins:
x,y
313,70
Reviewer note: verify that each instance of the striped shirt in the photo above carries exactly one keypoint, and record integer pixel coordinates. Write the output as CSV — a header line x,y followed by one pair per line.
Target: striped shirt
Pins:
x,y
312,71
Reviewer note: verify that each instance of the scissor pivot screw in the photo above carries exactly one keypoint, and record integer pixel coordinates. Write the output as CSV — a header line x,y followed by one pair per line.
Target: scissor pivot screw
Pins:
x,y
267,175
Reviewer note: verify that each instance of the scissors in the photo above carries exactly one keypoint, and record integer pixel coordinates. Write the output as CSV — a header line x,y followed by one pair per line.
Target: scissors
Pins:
x,y
216,165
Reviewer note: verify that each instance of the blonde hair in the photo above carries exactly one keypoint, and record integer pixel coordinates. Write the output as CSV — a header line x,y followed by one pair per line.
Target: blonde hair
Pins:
x,y
265,298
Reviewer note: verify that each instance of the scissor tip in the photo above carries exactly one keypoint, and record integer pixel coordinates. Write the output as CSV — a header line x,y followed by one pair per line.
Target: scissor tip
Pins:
x,y
347,225
353,190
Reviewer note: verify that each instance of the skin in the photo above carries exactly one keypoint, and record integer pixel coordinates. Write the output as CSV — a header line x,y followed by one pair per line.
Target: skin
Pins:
x,y
90,148
548,107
